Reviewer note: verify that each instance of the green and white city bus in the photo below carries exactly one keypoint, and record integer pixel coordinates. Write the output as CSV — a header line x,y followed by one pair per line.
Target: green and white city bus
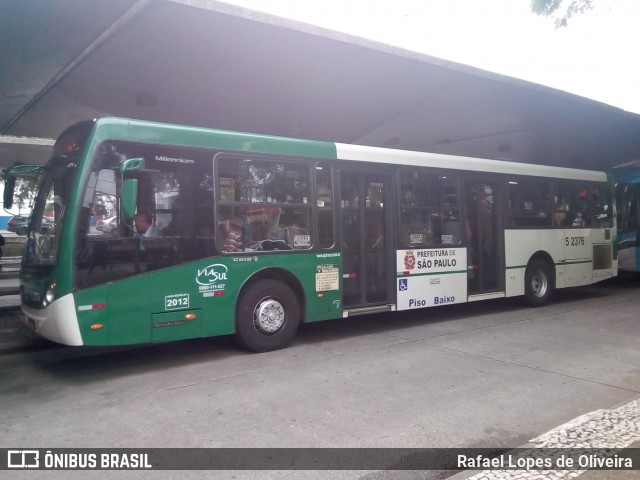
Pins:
x,y
253,235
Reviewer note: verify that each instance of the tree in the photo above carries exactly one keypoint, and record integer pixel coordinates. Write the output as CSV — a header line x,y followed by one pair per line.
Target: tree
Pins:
x,y
556,10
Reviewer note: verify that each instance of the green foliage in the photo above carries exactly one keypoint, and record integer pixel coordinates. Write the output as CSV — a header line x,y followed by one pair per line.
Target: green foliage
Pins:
x,y
557,10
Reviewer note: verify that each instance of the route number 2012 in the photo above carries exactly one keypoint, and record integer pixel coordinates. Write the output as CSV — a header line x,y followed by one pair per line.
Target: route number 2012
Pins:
x,y
573,241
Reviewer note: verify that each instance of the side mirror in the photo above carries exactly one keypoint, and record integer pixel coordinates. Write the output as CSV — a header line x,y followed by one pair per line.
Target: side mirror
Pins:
x,y
129,199
29,173
131,164
9,188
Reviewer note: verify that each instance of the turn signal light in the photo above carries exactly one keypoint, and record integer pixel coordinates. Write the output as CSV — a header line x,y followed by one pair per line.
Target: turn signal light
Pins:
x,y
190,316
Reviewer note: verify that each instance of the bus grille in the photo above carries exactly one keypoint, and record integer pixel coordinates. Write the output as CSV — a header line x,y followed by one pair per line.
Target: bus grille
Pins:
x,y
601,256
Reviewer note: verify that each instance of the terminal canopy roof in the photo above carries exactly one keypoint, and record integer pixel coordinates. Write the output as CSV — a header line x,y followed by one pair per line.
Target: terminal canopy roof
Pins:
x,y
206,63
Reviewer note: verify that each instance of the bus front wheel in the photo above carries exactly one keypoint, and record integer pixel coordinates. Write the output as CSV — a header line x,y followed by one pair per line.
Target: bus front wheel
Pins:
x,y
538,280
267,316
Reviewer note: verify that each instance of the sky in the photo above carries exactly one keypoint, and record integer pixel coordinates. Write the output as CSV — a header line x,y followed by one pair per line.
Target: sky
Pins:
x,y
596,56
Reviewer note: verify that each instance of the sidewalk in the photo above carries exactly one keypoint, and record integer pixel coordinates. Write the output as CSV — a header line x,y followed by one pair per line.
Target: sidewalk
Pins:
x,y
598,434
579,474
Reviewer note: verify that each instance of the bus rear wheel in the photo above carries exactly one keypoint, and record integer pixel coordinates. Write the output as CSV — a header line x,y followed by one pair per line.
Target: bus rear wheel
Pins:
x,y
538,283
267,316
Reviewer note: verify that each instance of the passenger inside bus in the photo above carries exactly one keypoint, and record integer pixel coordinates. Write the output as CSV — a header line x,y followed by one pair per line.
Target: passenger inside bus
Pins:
x,y
145,227
231,237
561,211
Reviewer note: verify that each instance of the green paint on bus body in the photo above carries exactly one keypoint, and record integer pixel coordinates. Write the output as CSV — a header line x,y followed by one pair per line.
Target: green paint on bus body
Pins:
x,y
199,299
166,134
123,312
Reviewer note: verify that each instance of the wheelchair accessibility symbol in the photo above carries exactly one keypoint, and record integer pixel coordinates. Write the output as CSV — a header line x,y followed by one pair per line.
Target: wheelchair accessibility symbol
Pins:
x,y
403,285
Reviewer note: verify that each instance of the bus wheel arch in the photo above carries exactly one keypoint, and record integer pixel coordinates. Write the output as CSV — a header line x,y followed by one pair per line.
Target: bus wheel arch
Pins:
x,y
539,280
269,310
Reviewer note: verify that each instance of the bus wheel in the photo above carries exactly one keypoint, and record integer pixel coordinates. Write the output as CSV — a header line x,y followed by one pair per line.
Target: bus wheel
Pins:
x,y
538,283
267,316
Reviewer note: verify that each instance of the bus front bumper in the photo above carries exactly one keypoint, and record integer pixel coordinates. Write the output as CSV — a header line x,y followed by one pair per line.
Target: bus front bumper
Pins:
x,y
58,322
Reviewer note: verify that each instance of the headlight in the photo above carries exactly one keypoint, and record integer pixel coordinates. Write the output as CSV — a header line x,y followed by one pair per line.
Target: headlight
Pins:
x,y
49,295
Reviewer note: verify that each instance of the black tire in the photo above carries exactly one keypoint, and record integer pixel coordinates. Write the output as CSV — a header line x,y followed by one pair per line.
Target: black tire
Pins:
x,y
267,316
538,283
21,231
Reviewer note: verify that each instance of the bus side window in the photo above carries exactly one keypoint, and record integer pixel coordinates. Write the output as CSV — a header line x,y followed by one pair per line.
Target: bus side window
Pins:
x,y
572,198
602,206
529,204
269,201
429,214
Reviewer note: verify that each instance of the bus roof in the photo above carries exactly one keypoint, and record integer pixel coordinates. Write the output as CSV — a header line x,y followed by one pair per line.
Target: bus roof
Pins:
x,y
436,160
154,132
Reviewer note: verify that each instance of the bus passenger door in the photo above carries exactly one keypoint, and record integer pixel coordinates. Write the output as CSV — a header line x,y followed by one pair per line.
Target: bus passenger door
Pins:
x,y
364,242
482,211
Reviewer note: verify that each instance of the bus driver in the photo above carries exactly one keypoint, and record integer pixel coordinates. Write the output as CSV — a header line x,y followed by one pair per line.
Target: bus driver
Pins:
x,y
145,227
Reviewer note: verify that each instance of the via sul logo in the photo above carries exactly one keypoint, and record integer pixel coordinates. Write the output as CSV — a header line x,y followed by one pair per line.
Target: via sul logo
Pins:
x,y
409,260
212,275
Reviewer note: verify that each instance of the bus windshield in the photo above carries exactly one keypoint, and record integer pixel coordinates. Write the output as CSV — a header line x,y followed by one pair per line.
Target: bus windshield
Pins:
x,y
49,213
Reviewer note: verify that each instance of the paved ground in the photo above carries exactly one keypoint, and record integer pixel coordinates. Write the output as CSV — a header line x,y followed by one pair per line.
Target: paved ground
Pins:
x,y
492,374
9,283
9,268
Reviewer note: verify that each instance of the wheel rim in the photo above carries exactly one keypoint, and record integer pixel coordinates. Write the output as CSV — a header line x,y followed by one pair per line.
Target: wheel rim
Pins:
x,y
269,316
539,284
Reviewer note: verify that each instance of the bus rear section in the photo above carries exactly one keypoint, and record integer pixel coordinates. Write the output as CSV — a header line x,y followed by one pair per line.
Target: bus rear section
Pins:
x,y
503,235
561,234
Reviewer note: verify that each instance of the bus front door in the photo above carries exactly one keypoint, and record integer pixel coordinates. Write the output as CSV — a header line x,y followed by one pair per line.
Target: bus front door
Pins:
x,y
483,224
364,243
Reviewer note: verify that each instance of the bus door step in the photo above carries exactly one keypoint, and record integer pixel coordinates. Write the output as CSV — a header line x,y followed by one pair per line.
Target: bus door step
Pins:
x,y
366,310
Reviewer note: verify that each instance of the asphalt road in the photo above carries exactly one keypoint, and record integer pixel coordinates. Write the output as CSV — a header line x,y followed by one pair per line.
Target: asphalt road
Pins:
x,y
489,374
